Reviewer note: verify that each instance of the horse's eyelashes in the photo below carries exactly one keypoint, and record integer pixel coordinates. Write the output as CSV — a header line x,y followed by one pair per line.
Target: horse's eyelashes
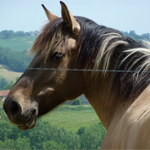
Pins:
x,y
57,56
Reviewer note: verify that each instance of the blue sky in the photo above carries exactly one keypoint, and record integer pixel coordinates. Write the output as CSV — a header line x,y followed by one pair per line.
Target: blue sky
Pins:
x,y
124,15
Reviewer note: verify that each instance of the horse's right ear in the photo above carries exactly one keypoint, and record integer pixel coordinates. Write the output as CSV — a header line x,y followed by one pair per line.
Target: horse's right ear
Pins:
x,y
69,20
49,15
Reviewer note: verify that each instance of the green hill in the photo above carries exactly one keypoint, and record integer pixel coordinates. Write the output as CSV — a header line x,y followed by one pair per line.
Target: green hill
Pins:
x,y
17,43
72,117
8,75
16,60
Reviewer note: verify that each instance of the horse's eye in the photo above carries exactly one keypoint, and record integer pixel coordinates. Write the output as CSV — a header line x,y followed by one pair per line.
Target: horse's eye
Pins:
x,y
57,56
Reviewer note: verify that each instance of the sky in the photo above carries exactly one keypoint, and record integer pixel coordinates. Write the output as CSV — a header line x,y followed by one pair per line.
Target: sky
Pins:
x,y
123,15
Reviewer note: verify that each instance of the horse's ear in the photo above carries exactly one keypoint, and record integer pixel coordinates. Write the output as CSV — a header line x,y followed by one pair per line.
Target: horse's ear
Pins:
x,y
69,19
49,15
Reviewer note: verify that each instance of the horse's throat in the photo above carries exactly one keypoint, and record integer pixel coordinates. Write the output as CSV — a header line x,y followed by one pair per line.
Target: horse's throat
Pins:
x,y
103,107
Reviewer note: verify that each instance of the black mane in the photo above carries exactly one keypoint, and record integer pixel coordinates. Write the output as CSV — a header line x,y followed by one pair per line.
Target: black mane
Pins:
x,y
91,40
129,77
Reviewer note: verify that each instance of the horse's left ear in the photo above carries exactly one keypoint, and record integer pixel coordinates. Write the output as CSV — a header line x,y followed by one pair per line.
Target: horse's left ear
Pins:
x,y
49,15
69,19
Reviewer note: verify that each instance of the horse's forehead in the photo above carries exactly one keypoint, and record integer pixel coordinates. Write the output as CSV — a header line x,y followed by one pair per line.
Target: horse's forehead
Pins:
x,y
71,43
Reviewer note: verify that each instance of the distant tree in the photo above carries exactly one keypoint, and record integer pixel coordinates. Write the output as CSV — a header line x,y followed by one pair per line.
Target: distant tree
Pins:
x,y
9,86
20,33
132,33
17,78
7,144
3,115
3,145
5,129
5,34
52,145
20,143
136,37
76,102
92,137
81,130
27,33
146,36
3,83
11,33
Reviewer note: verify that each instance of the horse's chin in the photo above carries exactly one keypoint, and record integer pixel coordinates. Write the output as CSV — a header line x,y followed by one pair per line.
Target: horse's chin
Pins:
x,y
29,125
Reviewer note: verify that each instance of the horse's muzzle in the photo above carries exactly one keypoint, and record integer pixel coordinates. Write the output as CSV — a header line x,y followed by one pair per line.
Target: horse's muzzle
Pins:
x,y
24,118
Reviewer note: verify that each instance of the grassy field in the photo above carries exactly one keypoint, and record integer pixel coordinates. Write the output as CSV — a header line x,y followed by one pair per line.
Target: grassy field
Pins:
x,y
72,117
8,75
17,43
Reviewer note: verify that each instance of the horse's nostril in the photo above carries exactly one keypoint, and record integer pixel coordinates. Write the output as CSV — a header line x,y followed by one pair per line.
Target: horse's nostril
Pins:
x,y
33,112
15,109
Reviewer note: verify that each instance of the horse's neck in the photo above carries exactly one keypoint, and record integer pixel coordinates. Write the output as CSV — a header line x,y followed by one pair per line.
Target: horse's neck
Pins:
x,y
102,100
129,127
107,107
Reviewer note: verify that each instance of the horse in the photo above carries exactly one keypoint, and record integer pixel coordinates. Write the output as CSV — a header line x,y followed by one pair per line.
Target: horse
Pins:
x,y
74,56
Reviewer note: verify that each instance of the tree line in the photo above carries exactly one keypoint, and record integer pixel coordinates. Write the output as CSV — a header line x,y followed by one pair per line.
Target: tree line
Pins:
x,y
137,37
5,85
6,34
45,136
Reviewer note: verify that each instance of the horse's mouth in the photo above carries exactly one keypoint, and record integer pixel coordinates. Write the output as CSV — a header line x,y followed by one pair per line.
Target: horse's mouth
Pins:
x,y
29,121
29,125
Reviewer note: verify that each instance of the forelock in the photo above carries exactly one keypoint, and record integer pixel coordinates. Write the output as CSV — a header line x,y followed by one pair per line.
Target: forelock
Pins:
x,y
52,38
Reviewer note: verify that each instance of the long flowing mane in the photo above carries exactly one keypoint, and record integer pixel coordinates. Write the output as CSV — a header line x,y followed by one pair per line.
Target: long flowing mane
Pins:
x,y
102,48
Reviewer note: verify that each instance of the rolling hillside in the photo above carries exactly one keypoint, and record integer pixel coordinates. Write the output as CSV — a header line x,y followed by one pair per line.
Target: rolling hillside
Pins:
x,y
8,74
17,43
72,117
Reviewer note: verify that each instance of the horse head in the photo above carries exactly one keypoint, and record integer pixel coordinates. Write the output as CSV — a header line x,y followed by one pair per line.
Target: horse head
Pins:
x,y
38,91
